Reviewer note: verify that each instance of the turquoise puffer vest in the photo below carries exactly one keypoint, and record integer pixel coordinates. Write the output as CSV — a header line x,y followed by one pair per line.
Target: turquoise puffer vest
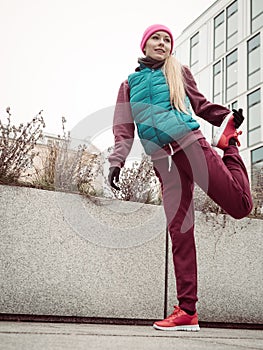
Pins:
x,y
158,123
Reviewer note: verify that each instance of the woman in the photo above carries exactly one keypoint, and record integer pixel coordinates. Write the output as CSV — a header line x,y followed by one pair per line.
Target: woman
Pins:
x,y
157,98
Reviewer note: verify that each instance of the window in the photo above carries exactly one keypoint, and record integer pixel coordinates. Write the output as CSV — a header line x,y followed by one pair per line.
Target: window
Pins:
x,y
217,83
219,35
254,117
257,168
226,36
231,25
233,105
231,75
253,49
256,14
194,41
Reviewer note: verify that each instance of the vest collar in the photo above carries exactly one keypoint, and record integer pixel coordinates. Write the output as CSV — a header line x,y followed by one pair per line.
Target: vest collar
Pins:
x,y
149,63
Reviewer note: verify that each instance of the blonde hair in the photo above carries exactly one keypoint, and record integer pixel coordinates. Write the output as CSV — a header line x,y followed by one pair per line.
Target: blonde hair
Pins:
x,y
175,80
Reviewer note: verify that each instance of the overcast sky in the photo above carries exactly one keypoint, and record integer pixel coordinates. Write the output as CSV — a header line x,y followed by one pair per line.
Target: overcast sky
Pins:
x,y
68,57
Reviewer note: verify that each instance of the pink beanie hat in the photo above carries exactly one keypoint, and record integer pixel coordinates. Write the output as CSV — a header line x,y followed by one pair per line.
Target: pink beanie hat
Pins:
x,y
155,28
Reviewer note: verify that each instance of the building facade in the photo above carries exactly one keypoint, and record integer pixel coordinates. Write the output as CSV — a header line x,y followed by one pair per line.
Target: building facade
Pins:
x,y
223,48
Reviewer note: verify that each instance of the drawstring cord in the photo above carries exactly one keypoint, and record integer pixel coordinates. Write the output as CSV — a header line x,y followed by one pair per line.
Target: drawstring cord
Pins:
x,y
169,163
170,157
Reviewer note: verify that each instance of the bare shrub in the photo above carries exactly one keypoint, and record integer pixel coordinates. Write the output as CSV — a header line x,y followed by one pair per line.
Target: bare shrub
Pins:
x,y
17,145
139,183
257,190
67,169
206,205
44,171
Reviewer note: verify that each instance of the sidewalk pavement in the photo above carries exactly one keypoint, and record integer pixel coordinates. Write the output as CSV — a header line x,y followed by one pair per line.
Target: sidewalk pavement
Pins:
x,y
58,336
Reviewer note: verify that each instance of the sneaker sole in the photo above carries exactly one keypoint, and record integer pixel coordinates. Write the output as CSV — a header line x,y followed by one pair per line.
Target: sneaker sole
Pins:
x,y
192,328
221,130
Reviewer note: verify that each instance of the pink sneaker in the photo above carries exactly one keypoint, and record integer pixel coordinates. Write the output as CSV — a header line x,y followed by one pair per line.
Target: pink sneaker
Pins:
x,y
179,320
225,132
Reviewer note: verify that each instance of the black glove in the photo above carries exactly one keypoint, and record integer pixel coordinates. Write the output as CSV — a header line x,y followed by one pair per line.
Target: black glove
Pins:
x,y
114,176
238,117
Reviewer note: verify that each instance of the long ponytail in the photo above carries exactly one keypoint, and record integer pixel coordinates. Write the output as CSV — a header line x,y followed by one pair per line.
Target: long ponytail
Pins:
x,y
175,80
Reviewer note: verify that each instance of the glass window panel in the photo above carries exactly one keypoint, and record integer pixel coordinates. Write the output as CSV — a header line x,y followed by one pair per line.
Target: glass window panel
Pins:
x,y
254,43
257,7
234,105
219,36
257,166
257,155
231,9
231,92
232,41
253,98
257,23
254,60
194,55
217,68
254,119
232,25
254,136
219,51
217,84
218,99
232,58
219,19
195,40
257,174
254,79
232,74
256,14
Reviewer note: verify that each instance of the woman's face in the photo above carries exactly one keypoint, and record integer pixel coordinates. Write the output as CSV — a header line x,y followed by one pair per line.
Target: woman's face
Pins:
x,y
158,46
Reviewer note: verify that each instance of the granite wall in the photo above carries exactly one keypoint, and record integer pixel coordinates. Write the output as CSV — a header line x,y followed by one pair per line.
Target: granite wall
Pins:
x,y
66,255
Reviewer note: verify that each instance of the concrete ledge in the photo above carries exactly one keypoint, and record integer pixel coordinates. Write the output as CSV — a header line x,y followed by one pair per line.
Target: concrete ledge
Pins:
x,y
59,256
230,269
62,254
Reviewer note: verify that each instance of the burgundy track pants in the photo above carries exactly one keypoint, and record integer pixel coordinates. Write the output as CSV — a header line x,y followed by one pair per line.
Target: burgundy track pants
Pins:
x,y
225,180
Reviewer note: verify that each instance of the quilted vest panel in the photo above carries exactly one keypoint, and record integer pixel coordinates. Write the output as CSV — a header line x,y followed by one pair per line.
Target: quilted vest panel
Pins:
x,y
158,123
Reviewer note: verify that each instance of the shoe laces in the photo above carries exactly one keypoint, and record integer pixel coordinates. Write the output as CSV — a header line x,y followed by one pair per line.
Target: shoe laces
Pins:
x,y
236,134
177,311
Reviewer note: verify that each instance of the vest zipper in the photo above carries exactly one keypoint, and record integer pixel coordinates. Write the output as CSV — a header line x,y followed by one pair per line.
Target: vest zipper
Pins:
x,y
150,96
150,86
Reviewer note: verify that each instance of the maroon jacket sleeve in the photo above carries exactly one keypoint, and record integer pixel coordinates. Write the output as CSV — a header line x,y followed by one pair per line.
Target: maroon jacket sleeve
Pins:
x,y
123,127
211,112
